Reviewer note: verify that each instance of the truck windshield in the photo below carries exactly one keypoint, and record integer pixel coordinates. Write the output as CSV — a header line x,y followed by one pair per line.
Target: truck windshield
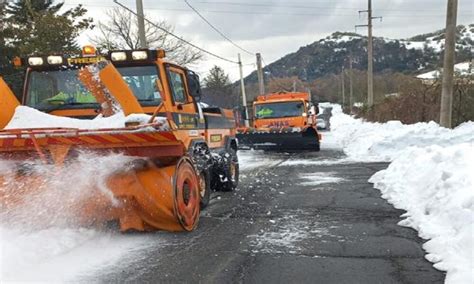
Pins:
x,y
276,110
62,88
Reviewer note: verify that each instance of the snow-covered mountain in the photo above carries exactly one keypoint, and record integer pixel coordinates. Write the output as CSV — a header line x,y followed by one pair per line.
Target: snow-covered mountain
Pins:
x,y
326,56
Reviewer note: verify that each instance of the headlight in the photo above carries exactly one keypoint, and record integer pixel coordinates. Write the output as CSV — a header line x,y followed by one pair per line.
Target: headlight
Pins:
x,y
35,61
139,55
118,56
55,60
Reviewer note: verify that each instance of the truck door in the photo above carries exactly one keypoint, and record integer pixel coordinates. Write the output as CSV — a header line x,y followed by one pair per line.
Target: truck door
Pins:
x,y
184,109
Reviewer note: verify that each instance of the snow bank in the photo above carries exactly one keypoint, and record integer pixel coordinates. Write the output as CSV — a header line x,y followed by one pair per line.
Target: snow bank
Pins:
x,y
435,185
430,176
26,117
365,141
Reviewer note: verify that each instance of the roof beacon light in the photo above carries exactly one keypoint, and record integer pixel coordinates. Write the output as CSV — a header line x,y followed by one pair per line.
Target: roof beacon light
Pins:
x,y
118,56
17,61
139,55
161,53
35,61
55,60
88,51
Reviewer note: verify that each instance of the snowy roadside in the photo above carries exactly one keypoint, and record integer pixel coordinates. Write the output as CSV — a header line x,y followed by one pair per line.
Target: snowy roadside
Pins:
x,y
435,186
430,176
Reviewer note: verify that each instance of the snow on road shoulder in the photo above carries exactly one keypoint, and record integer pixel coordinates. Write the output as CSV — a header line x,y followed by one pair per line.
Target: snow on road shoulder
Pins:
x,y
430,176
365,141
435,185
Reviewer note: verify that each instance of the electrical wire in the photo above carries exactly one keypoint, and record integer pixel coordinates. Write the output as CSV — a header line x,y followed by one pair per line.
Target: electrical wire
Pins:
x,y
217,30
271,13
176,36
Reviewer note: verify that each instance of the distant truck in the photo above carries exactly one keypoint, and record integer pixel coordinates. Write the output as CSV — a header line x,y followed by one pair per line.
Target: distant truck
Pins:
x,y
282,121
323,121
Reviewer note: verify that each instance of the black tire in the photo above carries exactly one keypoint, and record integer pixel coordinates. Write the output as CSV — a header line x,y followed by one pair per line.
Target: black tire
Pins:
x,y
205,188
231,172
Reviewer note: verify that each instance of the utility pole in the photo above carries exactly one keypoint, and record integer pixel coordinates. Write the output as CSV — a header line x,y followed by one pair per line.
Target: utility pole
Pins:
x,y
242,88
343,89
351,103
294,85
370,56
448,65
261,82
141,24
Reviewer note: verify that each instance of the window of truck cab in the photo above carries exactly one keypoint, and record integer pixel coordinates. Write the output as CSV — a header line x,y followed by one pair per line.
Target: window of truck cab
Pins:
x,y
53,88
177,84
279,109
142,82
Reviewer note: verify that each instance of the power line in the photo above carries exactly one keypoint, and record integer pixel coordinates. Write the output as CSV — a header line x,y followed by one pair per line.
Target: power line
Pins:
x,y
217,30
176,36
311,14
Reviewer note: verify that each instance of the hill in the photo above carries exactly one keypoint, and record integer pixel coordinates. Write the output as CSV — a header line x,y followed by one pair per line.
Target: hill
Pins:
x,y
326,56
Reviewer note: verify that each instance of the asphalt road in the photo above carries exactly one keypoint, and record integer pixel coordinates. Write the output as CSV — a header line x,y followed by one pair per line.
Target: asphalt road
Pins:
x,y
281,226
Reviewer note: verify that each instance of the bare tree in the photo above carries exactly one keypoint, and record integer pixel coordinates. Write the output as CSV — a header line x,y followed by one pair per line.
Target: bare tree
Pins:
x,y
120,31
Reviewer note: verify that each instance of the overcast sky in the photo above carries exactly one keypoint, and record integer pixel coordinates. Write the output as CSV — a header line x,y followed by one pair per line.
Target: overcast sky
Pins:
x,y
276,27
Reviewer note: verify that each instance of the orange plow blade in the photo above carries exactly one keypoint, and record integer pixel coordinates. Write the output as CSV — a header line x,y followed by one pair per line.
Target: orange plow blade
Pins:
x,y
155,187
8,104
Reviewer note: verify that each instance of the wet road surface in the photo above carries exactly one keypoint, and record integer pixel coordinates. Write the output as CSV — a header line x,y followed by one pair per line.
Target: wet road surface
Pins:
x,y
295,218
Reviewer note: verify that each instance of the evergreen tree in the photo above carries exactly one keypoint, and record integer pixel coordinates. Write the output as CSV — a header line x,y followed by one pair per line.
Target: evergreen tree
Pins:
x,y
217,78
23,11
218,89
37,27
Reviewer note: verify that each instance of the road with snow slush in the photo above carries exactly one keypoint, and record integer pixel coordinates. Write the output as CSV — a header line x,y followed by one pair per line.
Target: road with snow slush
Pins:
x,y
295,218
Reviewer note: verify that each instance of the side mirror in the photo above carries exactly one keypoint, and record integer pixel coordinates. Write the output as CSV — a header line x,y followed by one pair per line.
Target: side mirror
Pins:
x,y
194,85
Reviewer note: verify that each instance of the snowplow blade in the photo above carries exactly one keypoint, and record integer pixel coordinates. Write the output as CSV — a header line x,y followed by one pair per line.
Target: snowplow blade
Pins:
x,y
156,190
8,104
282,139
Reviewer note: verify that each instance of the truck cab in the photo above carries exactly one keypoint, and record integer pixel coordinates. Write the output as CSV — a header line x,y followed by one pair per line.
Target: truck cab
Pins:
x,y
283,110
282,122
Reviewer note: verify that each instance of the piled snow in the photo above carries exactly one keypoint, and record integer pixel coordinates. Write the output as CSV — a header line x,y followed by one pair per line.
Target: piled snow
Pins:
x,y
435,185
364,141
26,117
431,177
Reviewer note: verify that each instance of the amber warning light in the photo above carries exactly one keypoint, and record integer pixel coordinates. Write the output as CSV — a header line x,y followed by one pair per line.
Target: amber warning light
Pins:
x,y
89,50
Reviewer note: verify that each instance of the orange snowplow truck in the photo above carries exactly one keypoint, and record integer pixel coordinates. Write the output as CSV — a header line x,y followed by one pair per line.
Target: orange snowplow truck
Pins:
x,y
174,168
284,121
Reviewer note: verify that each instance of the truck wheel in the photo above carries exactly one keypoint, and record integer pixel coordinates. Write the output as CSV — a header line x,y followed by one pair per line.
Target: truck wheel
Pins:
x,y
231,172
204,188
186,194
